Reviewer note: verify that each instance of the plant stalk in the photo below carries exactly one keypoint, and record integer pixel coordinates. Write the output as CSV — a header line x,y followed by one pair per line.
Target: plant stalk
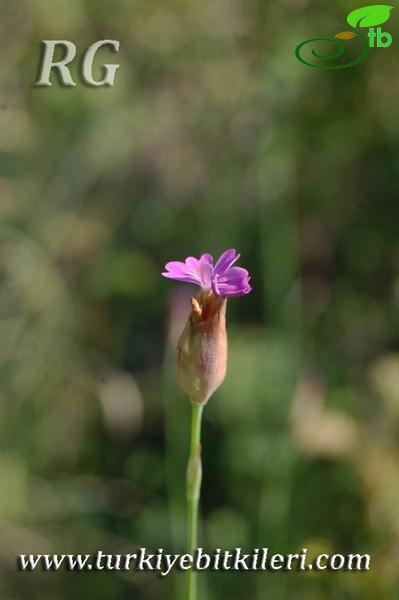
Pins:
x,y
194,476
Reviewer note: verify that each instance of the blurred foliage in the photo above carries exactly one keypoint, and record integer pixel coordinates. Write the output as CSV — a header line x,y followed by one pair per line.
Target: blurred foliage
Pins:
x,y
213,136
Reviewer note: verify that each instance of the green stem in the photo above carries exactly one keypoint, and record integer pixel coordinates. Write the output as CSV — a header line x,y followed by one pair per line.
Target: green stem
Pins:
x,y
194,476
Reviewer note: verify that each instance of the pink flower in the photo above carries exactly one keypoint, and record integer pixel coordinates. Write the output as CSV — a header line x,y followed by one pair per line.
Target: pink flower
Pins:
x,y
202,347
223,279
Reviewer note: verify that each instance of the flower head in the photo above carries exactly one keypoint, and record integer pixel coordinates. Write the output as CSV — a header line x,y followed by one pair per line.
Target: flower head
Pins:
x,y
222,278
202,347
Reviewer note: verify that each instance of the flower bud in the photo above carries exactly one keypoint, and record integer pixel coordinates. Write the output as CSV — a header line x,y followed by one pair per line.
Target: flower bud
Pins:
x,y
202,348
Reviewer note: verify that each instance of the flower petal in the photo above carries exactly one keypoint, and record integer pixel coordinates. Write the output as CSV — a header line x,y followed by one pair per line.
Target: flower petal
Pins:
x,y
205,267
180,271
193,270
225,261
235,282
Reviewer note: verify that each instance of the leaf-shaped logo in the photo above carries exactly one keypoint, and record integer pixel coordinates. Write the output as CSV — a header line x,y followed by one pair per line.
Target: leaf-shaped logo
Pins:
x,y
345,35
369,16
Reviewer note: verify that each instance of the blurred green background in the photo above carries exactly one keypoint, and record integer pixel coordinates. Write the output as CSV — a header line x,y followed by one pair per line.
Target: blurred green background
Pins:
x,y
213,136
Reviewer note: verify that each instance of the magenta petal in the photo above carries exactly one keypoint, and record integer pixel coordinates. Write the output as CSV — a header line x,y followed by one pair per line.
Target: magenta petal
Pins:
x,y
225,261
192,263
223,279
201,269
234,282
193,270
180,271
206,258
205,265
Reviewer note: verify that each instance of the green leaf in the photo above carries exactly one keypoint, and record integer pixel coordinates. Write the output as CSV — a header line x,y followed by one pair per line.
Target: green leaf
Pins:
x,y
369,16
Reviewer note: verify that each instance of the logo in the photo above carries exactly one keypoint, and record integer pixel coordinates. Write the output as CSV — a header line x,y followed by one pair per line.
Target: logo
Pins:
x,y
47,63
368,16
